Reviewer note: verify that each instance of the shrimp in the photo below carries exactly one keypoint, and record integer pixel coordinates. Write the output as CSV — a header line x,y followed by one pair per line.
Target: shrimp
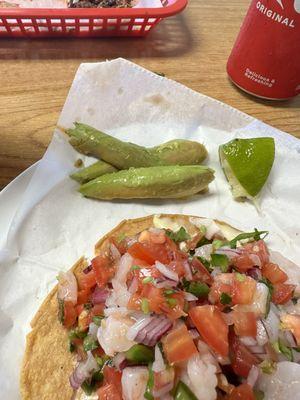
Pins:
x,y
112,334
134,381
201,378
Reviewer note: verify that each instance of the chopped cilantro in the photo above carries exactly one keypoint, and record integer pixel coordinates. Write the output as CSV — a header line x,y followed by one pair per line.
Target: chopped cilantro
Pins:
x,y
225,298
90,343
220,260
198,289
256,235
145,306
179,236
203,241
76,334
88,306
88,387
294,300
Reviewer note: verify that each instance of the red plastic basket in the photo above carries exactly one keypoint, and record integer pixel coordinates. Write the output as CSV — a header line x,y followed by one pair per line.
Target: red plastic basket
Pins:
x,y
84,22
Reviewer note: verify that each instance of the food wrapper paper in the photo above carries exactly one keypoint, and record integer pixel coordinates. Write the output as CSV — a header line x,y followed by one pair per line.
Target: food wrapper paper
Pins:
x,y
55,225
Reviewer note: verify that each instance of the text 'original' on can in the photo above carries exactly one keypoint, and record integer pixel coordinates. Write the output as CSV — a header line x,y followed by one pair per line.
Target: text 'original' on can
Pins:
x,y
265,59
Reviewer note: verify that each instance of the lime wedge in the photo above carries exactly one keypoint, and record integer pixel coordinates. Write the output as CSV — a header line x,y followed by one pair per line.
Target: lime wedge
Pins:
x,y
247,164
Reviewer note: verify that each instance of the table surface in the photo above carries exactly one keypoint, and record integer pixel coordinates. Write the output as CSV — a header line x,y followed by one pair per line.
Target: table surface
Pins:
x,y
191,48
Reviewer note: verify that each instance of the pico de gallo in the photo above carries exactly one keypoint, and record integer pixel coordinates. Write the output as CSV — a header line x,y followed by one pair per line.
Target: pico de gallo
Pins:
x,y
179,311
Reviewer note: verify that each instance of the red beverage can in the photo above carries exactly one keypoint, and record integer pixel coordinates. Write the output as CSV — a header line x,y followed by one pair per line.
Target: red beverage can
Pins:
x,y
265,60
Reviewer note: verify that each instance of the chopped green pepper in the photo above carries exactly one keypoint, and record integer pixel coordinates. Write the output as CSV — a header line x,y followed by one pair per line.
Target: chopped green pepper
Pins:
x,y
150,384
182,392
140,354
145,306
97,319
225,298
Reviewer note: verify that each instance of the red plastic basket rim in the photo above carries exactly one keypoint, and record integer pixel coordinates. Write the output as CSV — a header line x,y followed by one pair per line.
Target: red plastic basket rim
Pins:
x,y
159,12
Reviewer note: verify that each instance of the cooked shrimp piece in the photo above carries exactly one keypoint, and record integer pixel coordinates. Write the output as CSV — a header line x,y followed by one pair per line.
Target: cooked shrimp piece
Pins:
x,y
112,334
134,381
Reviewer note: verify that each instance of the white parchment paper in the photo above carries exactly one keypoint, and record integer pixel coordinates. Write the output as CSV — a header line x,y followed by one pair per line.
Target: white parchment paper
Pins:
x,y
54,226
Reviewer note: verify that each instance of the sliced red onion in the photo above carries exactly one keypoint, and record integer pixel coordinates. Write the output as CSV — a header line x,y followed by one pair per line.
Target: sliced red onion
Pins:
x,y
204,251
83,371
67,287
139,325
87,269
248,341
167,272
290,338
149,330
190,296
261,333
167,283
133,287
99,295
194,334
187,269
155,334
159,364
227,251
253,376
115,254
254,273
93,329
164,390
255,259
118,360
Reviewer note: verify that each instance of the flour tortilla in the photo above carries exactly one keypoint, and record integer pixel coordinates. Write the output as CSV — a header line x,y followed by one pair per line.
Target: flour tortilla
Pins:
x,y
47,362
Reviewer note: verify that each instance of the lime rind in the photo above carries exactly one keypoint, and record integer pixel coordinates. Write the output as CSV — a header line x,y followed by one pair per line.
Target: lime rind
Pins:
x,y
247,164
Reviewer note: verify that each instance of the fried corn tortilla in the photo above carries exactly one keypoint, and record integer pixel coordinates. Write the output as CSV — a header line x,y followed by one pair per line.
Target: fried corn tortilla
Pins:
x,y
47,362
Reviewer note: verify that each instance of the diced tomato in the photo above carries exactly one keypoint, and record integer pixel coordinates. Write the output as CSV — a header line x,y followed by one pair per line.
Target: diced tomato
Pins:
x,y
243,289
150,252
102,269
112,376
260,249
97,310
244,323
70,314
242,359
212,327
243,262
282,293
292,322
86,281
174,311
242,392
134,302
108,392
98,352
154,296
274,273
138,250
121,245
79,309
83,296
201,272
178,345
